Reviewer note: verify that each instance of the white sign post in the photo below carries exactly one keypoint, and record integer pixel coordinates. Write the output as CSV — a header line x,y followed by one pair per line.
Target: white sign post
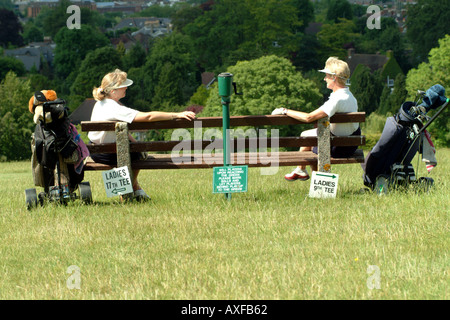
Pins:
x,y
117,181
323,185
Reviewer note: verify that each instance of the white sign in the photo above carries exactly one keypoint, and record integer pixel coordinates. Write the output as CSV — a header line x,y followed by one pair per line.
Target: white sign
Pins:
x,y
323,185
117,181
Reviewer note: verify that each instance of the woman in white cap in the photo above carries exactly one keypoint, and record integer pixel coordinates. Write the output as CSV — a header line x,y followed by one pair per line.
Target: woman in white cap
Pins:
x,y
341,100
108,108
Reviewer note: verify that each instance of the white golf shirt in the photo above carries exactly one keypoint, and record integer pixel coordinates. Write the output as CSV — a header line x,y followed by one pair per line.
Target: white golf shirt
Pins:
x,y
109,110
342,100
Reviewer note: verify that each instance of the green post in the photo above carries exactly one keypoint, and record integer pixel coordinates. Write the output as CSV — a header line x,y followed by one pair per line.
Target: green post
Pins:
x,y
225,91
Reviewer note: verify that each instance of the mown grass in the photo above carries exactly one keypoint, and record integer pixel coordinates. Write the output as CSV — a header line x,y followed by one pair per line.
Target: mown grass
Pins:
x,y
273,242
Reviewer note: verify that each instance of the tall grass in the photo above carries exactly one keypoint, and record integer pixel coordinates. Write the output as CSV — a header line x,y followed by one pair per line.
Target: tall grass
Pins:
x,y
272,242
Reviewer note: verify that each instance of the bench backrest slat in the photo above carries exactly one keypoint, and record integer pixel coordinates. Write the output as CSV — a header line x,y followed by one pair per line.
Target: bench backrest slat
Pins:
x,y
217,122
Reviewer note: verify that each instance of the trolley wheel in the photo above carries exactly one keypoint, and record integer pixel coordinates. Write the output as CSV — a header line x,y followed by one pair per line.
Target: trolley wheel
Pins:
x,y
31,198
85,194
382,184
41,197
425,184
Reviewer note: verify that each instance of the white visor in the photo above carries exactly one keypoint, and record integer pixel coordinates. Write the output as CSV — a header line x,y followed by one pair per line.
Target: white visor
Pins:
x,y
327,71
126,83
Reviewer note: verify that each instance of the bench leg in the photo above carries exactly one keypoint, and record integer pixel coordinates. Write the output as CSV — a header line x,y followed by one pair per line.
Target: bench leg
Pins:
x,y
323,145
123,151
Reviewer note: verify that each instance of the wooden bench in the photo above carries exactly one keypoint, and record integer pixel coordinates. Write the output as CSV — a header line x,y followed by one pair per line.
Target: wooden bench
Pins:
x,y
201,157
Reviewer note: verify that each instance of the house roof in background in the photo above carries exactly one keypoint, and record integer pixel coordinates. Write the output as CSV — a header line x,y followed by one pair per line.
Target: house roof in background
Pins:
x,y
373,61
83,112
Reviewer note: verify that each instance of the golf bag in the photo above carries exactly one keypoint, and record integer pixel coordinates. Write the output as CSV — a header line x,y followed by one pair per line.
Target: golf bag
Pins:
x,y
389,162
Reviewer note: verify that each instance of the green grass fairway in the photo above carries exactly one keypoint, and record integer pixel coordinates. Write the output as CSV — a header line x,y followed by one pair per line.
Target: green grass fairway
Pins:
x,y
272,242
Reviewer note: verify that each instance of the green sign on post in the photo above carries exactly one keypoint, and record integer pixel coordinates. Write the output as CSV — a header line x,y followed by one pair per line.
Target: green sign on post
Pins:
x,y
230,179
225,84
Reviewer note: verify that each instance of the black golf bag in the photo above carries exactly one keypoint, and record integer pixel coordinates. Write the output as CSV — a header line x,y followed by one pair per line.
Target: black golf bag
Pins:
x,y
389,162
56,158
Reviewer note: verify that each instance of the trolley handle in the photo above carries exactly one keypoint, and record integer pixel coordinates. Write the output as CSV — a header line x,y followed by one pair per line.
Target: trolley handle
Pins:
x,y
435,116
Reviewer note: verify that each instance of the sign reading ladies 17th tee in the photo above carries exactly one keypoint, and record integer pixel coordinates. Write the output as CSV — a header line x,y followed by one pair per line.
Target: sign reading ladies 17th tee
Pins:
x,y
117,181
230,179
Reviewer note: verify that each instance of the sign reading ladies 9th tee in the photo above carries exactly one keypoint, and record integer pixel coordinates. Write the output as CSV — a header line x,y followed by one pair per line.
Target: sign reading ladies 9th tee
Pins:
x,y
323,185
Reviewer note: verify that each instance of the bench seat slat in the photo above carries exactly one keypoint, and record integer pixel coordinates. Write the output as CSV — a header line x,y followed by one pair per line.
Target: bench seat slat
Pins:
x,y
283,142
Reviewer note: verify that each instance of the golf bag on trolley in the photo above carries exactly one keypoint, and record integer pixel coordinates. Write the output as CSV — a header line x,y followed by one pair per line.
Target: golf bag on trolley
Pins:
x,y
388,164
57,157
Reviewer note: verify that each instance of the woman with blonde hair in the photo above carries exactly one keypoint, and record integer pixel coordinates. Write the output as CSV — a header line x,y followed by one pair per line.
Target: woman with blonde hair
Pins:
x,y
109,108
341,100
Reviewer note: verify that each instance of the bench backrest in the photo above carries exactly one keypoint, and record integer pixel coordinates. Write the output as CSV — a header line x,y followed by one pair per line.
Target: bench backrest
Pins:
x,y
235,121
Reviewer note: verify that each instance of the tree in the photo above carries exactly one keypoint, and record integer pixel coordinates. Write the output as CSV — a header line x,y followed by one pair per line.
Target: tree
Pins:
x,y
31,33
52,20
426,23
225,22
39,82
184,16
168,92
427,74
333,37
366,89
392,101
339,9
175,49
157,10
391,39
90,74
67,56
16,121
305,13
399,93
432,72
6,4
137,94
276,23
266,83
135,57
233,29
10,29
11,64
120,48
306,57
199,97
391,69
385,105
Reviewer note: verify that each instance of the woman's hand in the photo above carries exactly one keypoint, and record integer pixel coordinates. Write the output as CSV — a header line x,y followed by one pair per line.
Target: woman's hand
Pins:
x,y
188,115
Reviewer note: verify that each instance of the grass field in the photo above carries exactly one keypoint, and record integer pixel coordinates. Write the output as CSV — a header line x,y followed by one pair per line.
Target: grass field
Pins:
x,y
272,242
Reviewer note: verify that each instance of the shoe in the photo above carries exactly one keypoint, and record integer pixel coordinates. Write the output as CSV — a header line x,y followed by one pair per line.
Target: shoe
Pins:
x,y
140,195
299,175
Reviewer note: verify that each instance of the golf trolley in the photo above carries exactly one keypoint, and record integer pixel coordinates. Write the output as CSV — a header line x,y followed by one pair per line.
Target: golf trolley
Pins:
x,y
388,165
54,154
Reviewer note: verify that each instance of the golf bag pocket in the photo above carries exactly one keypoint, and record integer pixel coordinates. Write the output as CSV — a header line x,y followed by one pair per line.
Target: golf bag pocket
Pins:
x,y
67,148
